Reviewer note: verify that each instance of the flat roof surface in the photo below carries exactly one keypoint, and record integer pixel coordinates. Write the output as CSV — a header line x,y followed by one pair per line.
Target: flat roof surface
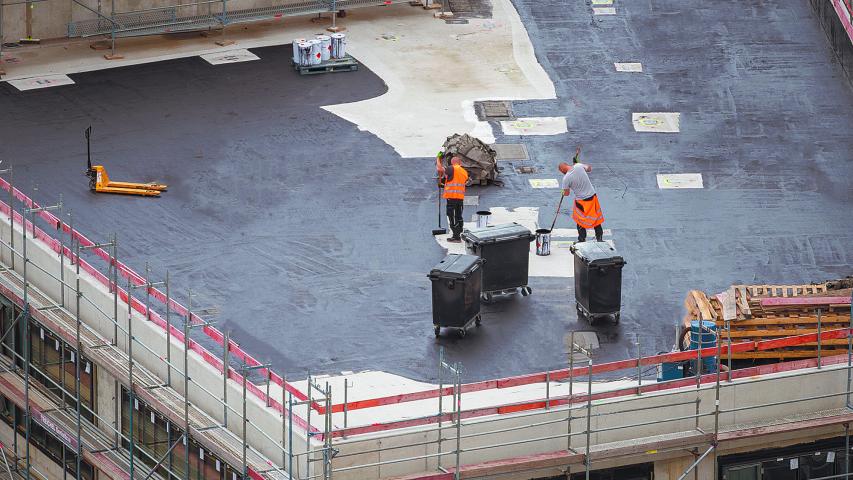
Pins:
x,y
312,237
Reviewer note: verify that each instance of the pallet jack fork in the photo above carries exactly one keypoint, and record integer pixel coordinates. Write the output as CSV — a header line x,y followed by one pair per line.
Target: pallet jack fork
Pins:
x,y
100,182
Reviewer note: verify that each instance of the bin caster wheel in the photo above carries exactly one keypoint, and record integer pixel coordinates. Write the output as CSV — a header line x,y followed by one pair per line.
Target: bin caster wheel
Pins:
x,y
478,321
525,291
437,330
616,318
486,297
462,333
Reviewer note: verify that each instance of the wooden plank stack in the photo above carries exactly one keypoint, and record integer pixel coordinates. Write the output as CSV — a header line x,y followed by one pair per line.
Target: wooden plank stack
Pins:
x,y
741,316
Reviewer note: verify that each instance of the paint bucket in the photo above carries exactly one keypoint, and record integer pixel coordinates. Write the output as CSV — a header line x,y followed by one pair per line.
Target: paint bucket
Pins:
x,y
304,54
543,242
296,43
316,55
325,47
339,45
483,218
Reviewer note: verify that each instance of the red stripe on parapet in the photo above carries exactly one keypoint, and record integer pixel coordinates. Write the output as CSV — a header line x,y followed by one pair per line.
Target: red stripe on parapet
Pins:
x,y
138,305
842,13
136,280
581,398
559,375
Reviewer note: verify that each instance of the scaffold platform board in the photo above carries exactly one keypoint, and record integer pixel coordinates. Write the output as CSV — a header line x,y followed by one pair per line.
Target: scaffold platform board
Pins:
x,y
346,64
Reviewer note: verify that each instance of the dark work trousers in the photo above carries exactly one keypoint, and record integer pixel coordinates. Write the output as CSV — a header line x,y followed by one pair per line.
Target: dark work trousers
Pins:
x,y
599,233
454,216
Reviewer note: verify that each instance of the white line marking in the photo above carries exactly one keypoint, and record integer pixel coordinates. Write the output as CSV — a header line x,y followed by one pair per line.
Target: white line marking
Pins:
x,y
230,56
604,11
561,261
680,180
44,81
660,122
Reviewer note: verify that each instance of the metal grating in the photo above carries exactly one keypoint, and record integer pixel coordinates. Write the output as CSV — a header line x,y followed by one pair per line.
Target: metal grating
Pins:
x,y
510,151
493,109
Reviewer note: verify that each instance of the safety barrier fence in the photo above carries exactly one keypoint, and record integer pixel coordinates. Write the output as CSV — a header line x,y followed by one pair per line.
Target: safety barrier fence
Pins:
x,y
202,15
31,209
139,306
24,305
589,402
568,374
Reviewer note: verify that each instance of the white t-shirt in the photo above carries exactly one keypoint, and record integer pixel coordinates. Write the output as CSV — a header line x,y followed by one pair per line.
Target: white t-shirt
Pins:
x,y
578,182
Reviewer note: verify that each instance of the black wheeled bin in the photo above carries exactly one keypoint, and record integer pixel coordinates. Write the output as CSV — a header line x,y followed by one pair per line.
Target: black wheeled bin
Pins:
x,y
598,280
506,251
456,286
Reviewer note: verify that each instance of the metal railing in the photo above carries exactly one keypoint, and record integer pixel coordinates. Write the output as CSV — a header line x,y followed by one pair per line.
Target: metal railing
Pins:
x,y
201,15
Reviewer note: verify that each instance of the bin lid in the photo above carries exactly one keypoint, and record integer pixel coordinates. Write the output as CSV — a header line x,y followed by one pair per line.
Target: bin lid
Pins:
x,y
504,232
597,253
456,266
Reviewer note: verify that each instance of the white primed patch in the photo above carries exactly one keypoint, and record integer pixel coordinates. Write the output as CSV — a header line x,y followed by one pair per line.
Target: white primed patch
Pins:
x,y
561,261
230,56
535,126
602,2
680,180
44,81
660,122
628,67
543,183
604,11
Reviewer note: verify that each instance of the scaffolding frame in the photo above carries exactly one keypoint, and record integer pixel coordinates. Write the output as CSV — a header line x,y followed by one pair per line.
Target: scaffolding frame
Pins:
x,y
26,219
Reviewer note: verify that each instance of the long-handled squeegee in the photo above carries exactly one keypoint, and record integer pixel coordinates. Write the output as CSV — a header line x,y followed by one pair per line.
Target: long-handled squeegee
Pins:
x,y
440,230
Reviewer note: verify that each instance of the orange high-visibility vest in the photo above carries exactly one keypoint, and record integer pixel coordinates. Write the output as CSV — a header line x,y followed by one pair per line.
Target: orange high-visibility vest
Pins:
x,y
455,188
587,213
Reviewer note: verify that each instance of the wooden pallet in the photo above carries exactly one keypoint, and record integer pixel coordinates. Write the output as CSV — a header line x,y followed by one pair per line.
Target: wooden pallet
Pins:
x,y
785,290
754,322
346,64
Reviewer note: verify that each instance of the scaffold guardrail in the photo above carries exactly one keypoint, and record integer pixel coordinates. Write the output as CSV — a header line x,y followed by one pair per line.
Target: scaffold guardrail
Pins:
x,y
185,17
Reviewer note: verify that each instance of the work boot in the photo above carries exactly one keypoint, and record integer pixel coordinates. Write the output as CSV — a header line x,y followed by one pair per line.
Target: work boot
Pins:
x,y
454,240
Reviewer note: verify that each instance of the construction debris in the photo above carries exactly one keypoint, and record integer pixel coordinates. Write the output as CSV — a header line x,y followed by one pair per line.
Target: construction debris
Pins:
x,y
479,159
750,313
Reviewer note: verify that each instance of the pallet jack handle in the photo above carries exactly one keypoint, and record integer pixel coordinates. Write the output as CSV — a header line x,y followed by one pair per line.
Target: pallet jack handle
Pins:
x,y
88,150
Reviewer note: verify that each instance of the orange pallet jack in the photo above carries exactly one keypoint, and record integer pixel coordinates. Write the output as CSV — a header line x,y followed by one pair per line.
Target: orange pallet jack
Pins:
x,y
100,182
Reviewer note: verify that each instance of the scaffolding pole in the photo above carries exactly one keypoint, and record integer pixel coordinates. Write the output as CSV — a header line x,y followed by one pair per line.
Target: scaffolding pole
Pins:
x,y
130,403
245,372
79,348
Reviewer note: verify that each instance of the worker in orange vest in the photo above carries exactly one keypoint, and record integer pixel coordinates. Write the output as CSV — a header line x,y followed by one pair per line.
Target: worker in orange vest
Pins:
x,y
586,211
454,180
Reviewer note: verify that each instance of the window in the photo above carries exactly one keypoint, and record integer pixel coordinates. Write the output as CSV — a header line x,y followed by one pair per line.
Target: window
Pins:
x,y
56,362
743,472
155,435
